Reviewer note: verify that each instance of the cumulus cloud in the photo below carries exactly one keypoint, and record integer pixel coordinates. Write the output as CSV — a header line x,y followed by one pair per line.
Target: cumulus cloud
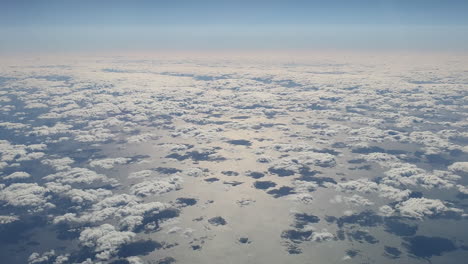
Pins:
x,y
79,176
300,119
140,174
59,164
109,163
128,210
105,240
422,207
29,195
410,175
364,185
6,219
141,138
46,257
10,152
354,200
459,167
157,187
17,176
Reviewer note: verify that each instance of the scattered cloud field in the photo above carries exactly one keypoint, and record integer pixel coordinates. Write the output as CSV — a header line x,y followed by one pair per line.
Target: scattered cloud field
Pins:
x,y
347,158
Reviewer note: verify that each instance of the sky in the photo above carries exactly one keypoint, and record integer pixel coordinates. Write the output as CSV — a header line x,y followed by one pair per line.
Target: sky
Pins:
x,y
39,25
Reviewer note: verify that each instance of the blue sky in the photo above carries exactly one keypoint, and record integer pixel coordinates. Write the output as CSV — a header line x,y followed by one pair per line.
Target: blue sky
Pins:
x,y
180,24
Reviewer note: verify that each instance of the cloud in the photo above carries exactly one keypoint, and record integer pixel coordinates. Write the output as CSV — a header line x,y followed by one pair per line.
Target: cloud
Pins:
x,y
301,118
109,163
459,167
6,219
56,129
422,207
366,186
129,211
104,240
142,138
10,152
13,126
79,176
86,197
46,257
17,176
29,195
140,174
157,187
59,164
413,176
354,200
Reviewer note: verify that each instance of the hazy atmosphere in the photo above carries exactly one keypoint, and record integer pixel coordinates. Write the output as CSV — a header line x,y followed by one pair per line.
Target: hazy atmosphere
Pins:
x,y
157,132
110,25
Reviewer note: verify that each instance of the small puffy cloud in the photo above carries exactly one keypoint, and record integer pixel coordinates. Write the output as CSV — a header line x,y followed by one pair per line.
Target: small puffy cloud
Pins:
x,y
83,197
105,240
462,189
354,200
13,126
383,159
10,152
35,105
58,128
6,219
157,187
140,138
46,257
109,163
194,172
36,147
58,164
17,176
367,133
135,260
459,167
411,175
386,210
317,159
421,207
32,156
364,185
128,210
140,174
29,195
322,236
79,176
94,135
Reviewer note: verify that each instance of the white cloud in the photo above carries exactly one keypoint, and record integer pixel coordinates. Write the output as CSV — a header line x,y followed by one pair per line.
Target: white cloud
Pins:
x,y
459,167
109,163
364,185
45,257
13,126
17,176
142,138
322,236
128,210
157,186
421,207
140,174
59,164
410,175
29,195
6,219
105,240
79,176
